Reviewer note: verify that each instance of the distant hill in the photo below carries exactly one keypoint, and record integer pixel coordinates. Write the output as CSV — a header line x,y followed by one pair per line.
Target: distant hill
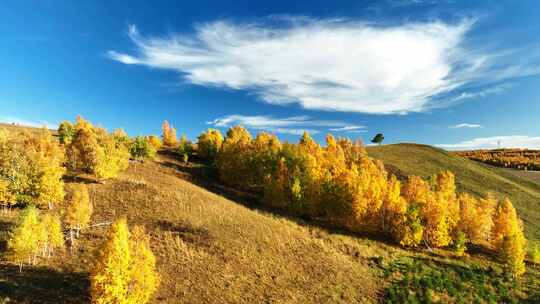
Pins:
x,y
522,159
12,127
474,177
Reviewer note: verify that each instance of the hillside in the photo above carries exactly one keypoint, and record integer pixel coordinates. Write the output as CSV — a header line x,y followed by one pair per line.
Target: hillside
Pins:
x,y
209,249
214,246
471,176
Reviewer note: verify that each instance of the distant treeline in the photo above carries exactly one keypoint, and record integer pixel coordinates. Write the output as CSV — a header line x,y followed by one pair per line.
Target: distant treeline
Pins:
x,y
521,159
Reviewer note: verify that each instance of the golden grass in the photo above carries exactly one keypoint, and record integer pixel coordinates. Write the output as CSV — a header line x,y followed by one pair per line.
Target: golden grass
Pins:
x,y
213,250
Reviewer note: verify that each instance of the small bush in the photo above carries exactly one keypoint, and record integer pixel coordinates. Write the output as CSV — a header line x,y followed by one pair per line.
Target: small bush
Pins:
x,y
142,149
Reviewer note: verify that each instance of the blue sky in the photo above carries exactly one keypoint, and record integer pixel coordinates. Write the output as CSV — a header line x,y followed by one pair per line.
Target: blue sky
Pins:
x,y
459,74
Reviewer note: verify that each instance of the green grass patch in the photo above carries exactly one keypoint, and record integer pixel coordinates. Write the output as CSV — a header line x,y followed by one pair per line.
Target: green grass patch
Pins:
x,y
422,280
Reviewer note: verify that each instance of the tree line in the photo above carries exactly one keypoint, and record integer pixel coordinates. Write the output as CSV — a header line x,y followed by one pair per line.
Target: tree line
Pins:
x,y
521,159
341,185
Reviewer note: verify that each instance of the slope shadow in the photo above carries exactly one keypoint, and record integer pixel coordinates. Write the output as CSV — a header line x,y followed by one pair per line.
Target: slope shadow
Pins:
x,y
5,227
42,285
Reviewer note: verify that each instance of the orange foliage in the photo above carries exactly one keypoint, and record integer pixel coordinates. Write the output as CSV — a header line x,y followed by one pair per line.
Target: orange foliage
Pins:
x,y
340,184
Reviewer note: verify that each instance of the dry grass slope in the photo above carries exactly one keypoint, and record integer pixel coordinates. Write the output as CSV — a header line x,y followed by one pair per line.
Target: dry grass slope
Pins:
x,y
212,250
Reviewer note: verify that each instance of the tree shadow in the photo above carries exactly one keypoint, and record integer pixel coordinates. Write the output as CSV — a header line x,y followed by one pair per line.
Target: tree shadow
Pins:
x,y
42,285
201,174
74,178
186,231
5,227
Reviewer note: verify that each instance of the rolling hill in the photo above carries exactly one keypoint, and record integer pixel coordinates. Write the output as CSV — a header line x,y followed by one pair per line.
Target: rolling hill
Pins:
x,y
214,246
473,177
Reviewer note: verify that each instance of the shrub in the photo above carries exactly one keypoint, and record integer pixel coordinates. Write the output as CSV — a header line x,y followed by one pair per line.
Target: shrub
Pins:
x,y
460,244
185,147
141,149
66,131
208,145
535,254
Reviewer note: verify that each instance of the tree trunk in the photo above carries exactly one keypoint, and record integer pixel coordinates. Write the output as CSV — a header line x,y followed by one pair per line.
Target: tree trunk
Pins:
x,y
71,241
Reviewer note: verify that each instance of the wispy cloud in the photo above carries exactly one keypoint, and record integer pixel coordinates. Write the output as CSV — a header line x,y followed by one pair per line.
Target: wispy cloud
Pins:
x,y
350,129
511,141
332,64
27,123
295,125
494,90
466,125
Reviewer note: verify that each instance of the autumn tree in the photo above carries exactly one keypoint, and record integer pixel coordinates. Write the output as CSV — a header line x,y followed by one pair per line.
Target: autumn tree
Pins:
x,y
393,209
265,150
110,276
233,159
120,136
475,218
78,210
51,234
141,149
513,252
168,134
32,167
47,158
209,143
155,141
185,147
23,243
144,279
410,231
113,159
417,192
371,190
84,152
66,131
507,237
440,211
94,151
125,270
6,197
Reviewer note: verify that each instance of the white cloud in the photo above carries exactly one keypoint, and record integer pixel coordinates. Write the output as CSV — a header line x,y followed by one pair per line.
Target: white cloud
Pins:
x,y
295,125
334,65
350,129
466,125
494,142
27,123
